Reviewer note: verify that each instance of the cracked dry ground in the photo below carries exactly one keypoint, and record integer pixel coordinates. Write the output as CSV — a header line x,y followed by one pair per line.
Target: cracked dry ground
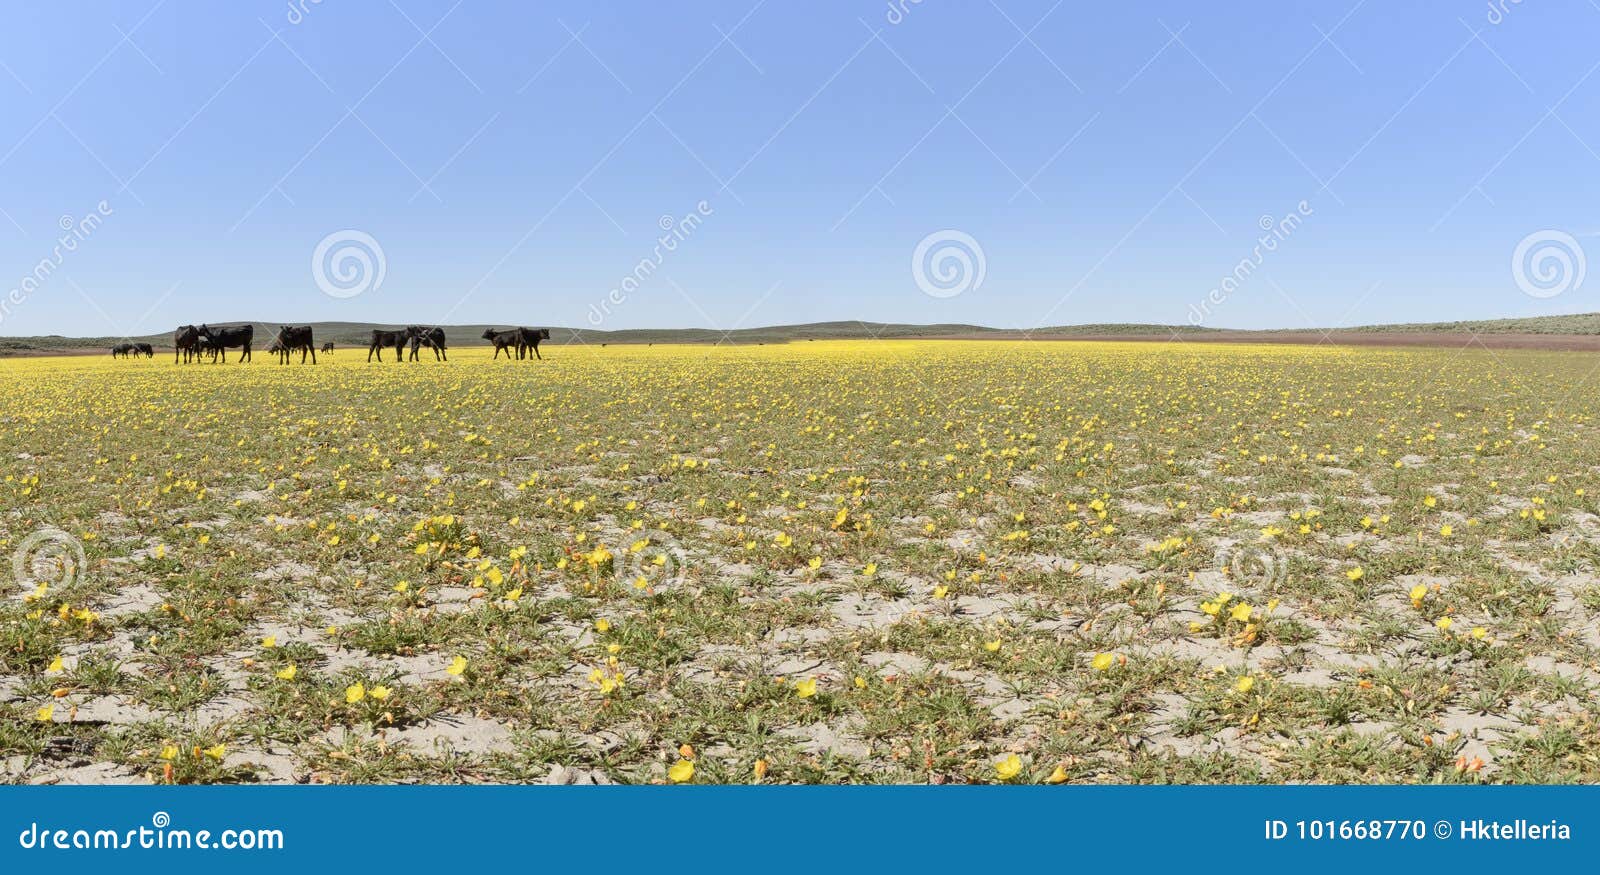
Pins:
x,y
818,562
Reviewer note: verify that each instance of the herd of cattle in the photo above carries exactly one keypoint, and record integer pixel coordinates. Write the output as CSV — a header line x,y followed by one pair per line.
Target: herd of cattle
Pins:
x,y
190,342
129,350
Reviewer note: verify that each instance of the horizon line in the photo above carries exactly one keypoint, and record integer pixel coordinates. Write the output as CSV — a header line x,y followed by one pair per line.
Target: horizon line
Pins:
x,y
1171,327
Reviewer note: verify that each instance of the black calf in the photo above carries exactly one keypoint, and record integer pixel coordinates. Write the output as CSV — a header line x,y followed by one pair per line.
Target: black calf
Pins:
x,y
223,339
508,341
388,339
431,336
530,338
290,339
185,342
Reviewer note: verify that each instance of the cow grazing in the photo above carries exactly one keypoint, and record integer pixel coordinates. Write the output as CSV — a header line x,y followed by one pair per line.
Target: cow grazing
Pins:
x,y
292,338
327,347
388,339
145,349
185,342
122,350
529,340
223,339
427,334
508,340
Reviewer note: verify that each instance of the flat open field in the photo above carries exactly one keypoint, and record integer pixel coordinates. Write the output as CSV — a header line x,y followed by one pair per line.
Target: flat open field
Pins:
x,y
936,561
1454,339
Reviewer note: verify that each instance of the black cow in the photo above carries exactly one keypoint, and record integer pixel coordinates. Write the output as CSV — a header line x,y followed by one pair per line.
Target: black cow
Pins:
x,y
508,340
145,349
208,347
530,338
122,350
223,339
385,339
423,337
427,334
295,338
185,342
327,347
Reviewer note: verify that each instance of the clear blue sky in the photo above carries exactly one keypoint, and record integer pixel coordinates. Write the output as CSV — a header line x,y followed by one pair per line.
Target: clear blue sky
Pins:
x,y
1112,161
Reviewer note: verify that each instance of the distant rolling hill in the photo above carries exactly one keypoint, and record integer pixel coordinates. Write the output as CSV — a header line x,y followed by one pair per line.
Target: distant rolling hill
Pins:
x,y
348,334
1582,326
1576,323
